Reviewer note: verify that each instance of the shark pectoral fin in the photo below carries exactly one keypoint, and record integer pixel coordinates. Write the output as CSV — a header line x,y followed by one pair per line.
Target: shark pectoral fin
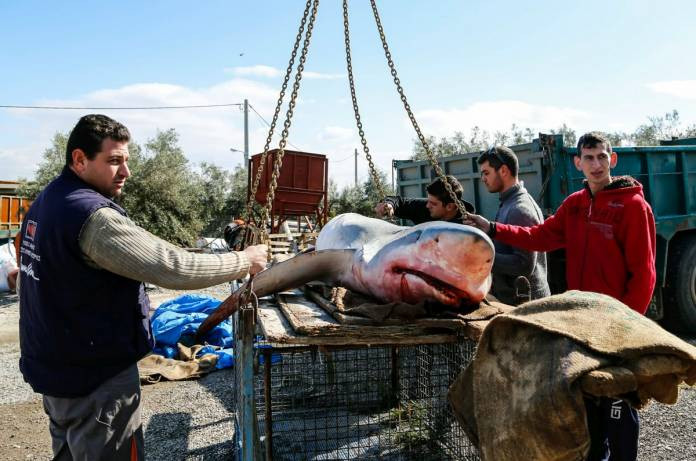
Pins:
x,y
228,307
325,265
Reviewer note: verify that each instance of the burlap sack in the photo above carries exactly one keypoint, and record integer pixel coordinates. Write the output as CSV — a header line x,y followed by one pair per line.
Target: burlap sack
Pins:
x,y
521,398
155,367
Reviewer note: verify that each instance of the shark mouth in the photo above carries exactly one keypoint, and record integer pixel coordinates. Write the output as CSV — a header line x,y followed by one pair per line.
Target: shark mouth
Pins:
x,y
449,294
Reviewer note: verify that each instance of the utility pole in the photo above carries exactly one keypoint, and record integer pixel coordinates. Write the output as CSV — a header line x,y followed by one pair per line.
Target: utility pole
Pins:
x,y
356,167
246,133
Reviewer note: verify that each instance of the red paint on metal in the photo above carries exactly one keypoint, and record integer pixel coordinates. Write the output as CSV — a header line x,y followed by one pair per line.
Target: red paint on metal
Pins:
x,y
302,185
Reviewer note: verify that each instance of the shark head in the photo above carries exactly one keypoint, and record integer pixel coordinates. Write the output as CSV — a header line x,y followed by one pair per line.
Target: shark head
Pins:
x,y
437,261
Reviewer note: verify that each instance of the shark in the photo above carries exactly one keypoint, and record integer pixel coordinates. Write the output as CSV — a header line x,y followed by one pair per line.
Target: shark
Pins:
x,y
437,261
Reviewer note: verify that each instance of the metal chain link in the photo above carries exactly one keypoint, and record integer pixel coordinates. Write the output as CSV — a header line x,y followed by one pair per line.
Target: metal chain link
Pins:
x,y
397,82
288,116
361,132
291,64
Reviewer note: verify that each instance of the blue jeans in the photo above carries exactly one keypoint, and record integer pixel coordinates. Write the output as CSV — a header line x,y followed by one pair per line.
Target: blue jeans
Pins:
x,y
613,426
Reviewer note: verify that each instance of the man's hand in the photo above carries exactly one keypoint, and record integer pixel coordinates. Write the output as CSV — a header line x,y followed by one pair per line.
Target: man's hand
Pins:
x,y
257,255
477,221
384,209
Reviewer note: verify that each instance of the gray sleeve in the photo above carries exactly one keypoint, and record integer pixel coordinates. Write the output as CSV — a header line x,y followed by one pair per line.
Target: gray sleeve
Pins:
x,y
115,243
519,262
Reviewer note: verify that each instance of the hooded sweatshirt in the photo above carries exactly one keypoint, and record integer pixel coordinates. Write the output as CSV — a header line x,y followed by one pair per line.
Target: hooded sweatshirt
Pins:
x,y
609,240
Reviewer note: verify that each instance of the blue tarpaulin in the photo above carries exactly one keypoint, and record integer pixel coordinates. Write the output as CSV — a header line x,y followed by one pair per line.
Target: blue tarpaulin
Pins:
x,y
178,319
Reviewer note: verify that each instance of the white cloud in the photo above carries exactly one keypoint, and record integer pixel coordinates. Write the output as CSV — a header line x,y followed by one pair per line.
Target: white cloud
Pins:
x,y
208,134
263,71
684,89
321,76
335,133
255,71
495,116
205,134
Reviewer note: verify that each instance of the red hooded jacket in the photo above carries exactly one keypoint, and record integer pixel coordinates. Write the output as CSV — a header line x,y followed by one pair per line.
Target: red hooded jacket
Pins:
x,y
609,241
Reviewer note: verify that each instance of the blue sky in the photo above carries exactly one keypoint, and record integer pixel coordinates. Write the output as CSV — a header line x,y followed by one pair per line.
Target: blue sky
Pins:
x,y
593,65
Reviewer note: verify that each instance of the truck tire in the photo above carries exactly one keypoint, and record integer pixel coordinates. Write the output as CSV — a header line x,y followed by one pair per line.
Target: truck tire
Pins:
x,y
680,292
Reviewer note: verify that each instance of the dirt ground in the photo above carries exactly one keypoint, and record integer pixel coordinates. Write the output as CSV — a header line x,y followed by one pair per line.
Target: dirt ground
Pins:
x,y
182,420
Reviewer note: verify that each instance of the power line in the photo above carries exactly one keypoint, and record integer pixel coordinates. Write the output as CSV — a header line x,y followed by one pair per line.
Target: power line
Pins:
x,y
202,106
261,117
344,159
269,125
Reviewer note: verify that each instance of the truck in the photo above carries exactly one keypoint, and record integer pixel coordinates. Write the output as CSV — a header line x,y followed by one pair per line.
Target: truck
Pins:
x,y
12,209
667,173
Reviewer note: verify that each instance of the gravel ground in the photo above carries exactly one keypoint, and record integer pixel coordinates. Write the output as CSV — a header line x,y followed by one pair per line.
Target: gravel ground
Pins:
x,y
193,420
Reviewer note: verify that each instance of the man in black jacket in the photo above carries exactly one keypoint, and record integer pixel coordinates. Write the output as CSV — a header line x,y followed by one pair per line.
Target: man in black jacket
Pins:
x,y
439,206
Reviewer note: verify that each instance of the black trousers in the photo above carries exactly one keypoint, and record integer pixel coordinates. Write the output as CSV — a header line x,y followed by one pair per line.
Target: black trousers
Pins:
x,y
614,427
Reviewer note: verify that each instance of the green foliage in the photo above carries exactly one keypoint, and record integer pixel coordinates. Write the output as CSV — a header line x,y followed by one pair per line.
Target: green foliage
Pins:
x,y
660,127
358,199
216,184
477,140
457,144
163,194
168,198
50,167
570,139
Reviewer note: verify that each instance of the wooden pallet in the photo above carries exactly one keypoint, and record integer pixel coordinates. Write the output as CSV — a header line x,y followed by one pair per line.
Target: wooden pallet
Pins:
x,y
292,318
280,243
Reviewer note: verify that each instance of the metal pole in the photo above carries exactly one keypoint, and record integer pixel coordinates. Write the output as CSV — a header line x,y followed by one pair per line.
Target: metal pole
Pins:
x,y
395,391
392,172
356,167
247,405
267,357
246,133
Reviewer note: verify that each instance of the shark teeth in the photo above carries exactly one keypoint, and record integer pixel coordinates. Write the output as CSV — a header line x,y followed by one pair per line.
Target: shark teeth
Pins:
x,y
452,293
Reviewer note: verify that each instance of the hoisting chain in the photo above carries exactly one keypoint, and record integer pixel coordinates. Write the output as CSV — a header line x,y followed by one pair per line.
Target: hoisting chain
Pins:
x,y
361,132
397,82
248,298
277,165
291,64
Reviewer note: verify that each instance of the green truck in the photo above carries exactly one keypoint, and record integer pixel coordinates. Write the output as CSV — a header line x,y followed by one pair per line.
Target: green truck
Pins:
x,y
668,175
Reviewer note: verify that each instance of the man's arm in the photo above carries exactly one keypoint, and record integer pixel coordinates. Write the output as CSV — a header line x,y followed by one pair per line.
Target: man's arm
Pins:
x,y
115,243
638,240
519,262
547,236
409,208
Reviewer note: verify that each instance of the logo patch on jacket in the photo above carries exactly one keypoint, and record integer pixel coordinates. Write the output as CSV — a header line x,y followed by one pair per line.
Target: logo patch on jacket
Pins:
x,y
607,230
31,230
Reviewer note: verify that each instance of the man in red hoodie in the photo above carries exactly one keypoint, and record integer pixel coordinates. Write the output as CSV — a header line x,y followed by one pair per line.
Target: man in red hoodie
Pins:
x,y
608,232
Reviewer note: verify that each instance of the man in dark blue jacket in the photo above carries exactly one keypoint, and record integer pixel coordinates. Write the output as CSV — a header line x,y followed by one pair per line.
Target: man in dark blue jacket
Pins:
x,y
83,310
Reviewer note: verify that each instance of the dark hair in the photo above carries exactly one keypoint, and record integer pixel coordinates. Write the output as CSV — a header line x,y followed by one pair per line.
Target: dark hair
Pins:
x,y
591,140
498,156
89,133
437,188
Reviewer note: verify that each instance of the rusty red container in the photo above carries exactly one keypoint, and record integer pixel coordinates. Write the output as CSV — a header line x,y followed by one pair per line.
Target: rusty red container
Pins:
x,y
302,184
